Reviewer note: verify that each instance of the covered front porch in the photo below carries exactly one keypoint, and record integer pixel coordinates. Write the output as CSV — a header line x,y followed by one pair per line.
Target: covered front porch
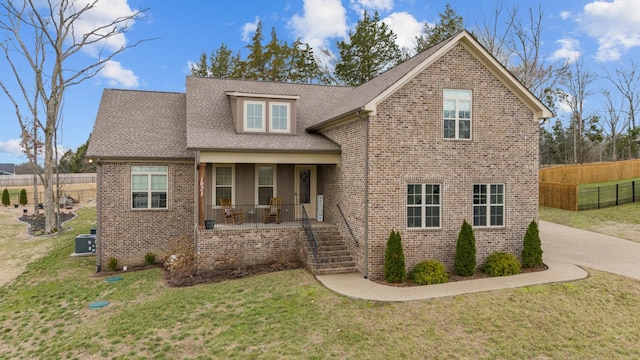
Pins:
x,y
257,190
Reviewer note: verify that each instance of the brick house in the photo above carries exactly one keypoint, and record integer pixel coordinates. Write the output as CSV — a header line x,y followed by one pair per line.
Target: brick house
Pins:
x,y
445,136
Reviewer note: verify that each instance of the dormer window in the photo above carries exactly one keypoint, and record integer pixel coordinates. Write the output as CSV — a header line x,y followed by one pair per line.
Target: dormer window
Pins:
x,y
263,113
279,117
254,116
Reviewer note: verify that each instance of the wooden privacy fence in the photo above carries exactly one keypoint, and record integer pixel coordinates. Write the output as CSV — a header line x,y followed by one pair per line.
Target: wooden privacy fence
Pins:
x,y
560,196
591,173
25,180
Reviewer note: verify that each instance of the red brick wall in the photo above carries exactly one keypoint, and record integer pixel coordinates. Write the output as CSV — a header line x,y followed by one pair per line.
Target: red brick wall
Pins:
x,y
127,234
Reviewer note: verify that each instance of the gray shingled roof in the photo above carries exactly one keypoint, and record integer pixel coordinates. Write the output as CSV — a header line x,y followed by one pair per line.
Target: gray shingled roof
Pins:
x,y
7,169
140,124
210,125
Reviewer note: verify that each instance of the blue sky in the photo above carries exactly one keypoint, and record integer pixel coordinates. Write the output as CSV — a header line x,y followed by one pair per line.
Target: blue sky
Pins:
x,y
604,33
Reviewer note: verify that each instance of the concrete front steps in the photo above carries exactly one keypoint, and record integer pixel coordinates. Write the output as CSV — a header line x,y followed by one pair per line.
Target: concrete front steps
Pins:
x,y
333,254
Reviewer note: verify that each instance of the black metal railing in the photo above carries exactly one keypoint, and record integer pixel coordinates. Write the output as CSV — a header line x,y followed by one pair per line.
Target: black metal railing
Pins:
x,y
253,215
348,227
310,234
597,197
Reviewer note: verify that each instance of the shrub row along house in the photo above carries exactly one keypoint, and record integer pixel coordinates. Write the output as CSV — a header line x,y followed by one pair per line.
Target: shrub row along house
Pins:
x,y
445,136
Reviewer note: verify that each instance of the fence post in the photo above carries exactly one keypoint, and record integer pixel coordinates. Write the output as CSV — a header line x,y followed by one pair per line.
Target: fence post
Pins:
x,y
633,191
616,194
598,197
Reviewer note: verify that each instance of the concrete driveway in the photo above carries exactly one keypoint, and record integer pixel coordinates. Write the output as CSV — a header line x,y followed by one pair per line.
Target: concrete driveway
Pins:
x,y
569,245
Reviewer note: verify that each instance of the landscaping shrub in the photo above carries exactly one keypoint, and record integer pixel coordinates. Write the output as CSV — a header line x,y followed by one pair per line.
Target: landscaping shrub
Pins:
x,y
532,247
429,272
6,199
113,264
465,260
23,197
150,258
501,264
394,270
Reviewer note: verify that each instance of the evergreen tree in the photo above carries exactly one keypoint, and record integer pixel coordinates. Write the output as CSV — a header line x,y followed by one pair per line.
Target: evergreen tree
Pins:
x,y
465,260
23,197
75,162
6,199
256,63
532,247
394,267
449,24
303,66
222,62
276,55
370,51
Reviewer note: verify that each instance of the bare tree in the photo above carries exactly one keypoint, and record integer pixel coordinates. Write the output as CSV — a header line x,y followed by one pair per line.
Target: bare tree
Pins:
x,y
46,37
517,45
576,84
612,125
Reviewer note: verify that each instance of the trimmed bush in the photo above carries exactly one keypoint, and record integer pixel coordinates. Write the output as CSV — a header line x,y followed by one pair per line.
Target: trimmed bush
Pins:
x,y
429,272
465,260
23,197
150,258
501,264
113,264
532,247
394,270
6,199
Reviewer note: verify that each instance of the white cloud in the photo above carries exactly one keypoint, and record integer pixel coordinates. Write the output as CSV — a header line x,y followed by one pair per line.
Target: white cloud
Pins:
x,y
406,27
320,21
378,5
118,76
614,24
11,147
103,13
248,29
564,15
569,50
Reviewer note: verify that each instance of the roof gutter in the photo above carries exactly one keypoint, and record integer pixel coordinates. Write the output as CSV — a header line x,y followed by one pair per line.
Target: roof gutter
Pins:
x,y
321,125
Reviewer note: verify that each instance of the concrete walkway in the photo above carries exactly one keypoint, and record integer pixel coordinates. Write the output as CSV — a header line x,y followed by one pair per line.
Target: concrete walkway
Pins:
x,y
564,249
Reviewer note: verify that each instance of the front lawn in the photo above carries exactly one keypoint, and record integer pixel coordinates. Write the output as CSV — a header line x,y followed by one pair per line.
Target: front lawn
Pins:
x,y
44,314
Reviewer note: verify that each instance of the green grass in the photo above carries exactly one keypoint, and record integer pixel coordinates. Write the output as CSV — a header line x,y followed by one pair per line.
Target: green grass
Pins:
x,y
289,315
589,195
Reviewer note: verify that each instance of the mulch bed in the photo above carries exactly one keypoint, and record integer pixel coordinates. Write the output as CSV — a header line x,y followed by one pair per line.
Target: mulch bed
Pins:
x,y
177,279
37,222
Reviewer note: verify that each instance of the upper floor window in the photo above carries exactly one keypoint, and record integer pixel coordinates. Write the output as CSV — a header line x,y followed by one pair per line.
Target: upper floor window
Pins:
x,y
457,113
279,117
254,116
423,205
488,205
149,187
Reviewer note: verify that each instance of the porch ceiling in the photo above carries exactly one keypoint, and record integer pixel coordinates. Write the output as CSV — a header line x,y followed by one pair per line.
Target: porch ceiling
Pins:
x,y
265,157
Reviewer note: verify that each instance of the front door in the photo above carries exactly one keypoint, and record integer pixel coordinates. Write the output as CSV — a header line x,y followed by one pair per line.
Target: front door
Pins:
x,y
305,190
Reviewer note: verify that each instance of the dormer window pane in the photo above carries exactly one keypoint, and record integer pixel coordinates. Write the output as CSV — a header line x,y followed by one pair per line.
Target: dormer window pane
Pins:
x,y
279,117
254,116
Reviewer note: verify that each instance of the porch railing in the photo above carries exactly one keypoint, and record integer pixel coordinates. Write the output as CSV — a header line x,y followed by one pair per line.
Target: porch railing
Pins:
x,y
311,236
348,227
253,215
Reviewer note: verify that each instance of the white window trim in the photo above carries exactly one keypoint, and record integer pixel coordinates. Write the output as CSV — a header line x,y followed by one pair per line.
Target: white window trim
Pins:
x,y
488,206
457,118
424,206
216,205
264,118
257,184
149,190
288,105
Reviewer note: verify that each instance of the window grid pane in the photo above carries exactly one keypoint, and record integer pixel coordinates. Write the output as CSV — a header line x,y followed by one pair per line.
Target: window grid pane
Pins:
x,y
423,205
489,213
149,187
279,117
254,116
457,105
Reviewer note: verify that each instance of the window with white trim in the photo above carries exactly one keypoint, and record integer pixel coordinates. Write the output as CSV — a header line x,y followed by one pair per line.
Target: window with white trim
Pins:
x,y
223,182
254,116
279,117
266,182
423,205
488,205
457,113
149,187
